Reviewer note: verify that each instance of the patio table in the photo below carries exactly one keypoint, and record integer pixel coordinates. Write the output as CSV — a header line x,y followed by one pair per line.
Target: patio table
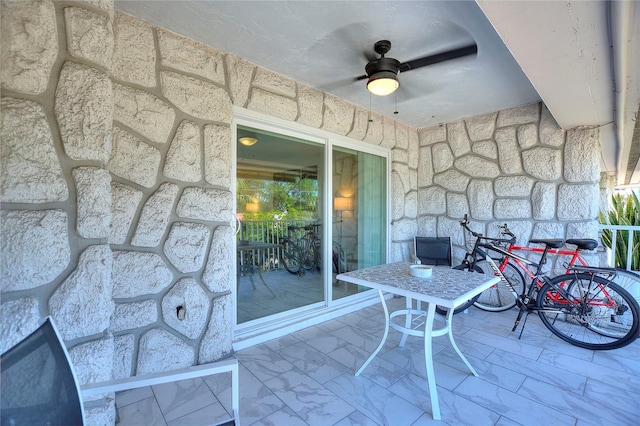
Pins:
x,y
446,287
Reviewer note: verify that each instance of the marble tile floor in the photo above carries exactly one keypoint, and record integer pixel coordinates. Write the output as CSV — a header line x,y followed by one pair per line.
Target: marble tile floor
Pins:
x,y
306,378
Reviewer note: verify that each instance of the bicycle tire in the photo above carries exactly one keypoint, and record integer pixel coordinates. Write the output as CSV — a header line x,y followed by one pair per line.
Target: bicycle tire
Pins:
x,y
630,281
498,297
584,320
443,311
291,259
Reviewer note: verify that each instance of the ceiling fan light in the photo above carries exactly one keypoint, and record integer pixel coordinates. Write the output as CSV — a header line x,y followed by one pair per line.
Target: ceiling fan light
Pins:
x,y
383,83
247,141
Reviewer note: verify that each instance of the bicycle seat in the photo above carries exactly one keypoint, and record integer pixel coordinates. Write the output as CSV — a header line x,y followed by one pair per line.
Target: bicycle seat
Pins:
x,y
583,243
551,243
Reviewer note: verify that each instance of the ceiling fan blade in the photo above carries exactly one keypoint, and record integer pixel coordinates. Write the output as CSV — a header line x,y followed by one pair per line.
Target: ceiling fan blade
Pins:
x,y
438,57
362,77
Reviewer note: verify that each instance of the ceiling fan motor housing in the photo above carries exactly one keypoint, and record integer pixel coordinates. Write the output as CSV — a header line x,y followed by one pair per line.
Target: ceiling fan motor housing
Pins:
x,y
382,65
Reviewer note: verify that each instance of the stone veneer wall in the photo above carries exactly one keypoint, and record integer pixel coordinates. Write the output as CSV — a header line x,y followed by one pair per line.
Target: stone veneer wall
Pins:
x,y
514,166
116,177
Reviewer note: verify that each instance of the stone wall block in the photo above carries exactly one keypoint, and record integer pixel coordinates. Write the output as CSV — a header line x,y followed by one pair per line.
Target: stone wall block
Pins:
x,y
93,188
442,157
162,351
411,205
374,129
433,134
138,273
134,51
583,230
582,156
477,166
123,356
93,361
543,200
457,205
508,152
512,209
432,200
82,304
413,149
528,135
188,56
133,159
19,319
128,316
272,104
338,115
240,75
402,136
400,156
543,163
550,133
29,45
186,246
360,124
310,106
187,294
452,180
481,127
388,133
427,225
184,156
397,196
206,204
481,197
548,230
578,202
89,36
217,155
487,149
403,230
144,113
274,83
458,138
218,275
155,216
217,340
84,110
451,228
29,165
425,169
513,186
197,98
124,204
519,115
35,248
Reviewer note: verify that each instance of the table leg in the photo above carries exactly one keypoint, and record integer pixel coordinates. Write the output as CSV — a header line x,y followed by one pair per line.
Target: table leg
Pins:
x,y
428,360
264,283
407,321
453,343
384,336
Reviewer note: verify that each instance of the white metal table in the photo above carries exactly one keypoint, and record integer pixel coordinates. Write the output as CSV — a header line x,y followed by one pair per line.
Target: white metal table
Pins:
x,y
446,287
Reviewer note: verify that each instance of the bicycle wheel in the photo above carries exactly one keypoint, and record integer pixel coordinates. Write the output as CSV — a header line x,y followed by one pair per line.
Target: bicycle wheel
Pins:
x,y
630,281
291,258
498,297
443,311
589,311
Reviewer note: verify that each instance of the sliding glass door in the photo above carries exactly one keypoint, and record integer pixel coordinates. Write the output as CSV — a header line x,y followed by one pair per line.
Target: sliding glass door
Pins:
x,y
308,208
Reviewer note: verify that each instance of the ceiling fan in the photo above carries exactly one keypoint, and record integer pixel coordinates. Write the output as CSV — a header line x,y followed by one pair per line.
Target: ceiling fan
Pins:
x,y
382,73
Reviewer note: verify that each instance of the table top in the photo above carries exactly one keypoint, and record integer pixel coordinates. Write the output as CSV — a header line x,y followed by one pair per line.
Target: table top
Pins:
x,y
254,245
446,287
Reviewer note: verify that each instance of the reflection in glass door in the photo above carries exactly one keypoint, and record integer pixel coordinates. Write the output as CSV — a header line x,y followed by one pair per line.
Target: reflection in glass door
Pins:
x,y
359,214
279,182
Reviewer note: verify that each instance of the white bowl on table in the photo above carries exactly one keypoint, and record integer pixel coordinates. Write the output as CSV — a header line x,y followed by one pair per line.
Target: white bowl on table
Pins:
x,y
421,271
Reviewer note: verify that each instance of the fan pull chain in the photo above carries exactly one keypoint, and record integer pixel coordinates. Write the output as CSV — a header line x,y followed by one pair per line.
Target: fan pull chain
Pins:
x,y
396,95
369,118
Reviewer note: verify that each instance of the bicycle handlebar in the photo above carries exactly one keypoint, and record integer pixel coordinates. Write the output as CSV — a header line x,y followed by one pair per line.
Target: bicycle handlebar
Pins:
x,y
504,230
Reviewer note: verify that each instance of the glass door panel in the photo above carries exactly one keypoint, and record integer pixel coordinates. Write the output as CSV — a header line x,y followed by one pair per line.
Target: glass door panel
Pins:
x,y
279,182
359,214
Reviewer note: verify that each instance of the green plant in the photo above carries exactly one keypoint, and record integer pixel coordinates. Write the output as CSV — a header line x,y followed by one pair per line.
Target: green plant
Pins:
x,y
625,211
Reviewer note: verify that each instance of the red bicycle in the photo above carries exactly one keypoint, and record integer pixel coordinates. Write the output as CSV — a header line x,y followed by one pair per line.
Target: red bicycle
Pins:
x,y
584,307
514,266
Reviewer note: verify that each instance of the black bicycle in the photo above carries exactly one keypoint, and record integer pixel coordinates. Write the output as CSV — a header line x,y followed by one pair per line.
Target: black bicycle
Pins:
x,y
301,253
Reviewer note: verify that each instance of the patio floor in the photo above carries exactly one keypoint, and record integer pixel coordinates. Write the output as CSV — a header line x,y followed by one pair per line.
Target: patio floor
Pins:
x,y
306,378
